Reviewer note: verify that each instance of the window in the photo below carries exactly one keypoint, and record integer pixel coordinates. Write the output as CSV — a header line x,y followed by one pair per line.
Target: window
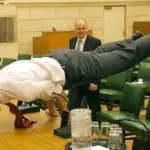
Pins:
x,y
6,29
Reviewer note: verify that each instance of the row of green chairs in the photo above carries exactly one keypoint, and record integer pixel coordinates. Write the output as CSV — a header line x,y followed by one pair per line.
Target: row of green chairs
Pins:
x,y
24,56
27,56
137,67
114,85
7,61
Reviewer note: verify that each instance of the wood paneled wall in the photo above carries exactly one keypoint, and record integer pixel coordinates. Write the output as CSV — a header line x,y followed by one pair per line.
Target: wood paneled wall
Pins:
x,y
142,26
52,40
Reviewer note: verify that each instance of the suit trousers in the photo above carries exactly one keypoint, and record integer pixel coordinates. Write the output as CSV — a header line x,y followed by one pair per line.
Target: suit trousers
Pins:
x,y
76,94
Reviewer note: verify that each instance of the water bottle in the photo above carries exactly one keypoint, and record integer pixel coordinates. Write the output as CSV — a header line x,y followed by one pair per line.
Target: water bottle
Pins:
x,y
81,129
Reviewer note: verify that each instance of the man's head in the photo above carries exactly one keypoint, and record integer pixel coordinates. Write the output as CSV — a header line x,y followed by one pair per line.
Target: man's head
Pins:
x,y
81,28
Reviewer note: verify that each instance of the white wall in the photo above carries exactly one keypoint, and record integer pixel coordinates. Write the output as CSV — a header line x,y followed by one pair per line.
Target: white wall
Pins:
x,y
68,1
8,49
136,13
32,19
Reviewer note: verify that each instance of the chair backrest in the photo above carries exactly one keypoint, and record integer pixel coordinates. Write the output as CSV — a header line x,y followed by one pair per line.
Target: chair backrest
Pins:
x,y
147,60
37,56
144,71
7,61
148,110
129,74
2,66
116,81
24,56
133,96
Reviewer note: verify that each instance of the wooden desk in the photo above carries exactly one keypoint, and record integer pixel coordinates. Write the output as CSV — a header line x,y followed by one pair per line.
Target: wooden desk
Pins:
x,y
52,40
142,26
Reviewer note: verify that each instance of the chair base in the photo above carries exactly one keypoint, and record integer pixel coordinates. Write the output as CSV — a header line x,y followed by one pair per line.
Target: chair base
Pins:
x,y
63,132
29,108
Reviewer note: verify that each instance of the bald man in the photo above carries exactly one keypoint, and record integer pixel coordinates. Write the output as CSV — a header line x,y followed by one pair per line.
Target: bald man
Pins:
x,y
84,42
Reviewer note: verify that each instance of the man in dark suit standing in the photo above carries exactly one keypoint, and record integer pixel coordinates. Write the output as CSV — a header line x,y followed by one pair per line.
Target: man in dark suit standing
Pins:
x,y
84,42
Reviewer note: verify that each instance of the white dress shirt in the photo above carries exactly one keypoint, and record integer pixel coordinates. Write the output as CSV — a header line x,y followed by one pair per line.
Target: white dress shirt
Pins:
x,y
28,80
81,44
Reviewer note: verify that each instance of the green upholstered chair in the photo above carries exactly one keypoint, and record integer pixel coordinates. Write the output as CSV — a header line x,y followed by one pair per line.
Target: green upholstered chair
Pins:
x,y
24,56
129,75
144,73
7,61
138,126
36,56
130,106
135,75
147,60
137,67
114,89
2,66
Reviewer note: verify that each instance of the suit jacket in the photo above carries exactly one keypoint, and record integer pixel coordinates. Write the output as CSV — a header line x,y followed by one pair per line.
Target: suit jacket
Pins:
x,y
91,43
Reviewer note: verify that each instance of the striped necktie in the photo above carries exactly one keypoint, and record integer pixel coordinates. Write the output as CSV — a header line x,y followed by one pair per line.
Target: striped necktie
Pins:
x,y
79,45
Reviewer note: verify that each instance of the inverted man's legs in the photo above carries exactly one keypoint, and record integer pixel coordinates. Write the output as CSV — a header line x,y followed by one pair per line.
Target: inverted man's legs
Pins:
x,y
121,59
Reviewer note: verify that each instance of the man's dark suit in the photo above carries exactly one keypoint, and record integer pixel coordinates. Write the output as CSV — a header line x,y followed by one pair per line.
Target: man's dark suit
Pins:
x,y
78,91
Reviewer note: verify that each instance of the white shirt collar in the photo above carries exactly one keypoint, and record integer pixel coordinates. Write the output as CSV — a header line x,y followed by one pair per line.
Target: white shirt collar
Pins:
x,y
83,39
81,44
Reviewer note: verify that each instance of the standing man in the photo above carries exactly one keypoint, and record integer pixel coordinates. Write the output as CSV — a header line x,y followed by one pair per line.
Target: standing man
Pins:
x,y
84,42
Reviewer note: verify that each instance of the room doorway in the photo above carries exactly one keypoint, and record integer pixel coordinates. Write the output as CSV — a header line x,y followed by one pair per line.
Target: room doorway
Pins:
x,y
114,23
